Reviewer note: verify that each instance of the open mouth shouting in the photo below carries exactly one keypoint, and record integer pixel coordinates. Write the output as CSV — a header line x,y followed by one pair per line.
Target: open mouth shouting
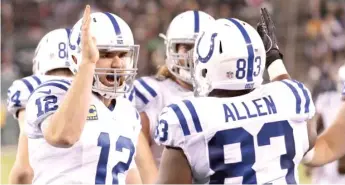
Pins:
x,y
110,80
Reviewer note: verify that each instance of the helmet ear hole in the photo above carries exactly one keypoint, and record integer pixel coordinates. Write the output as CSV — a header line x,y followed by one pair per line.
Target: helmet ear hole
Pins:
x,y
204,72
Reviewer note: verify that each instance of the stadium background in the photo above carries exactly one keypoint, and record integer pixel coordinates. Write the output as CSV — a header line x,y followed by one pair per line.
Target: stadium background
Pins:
x,y
310,33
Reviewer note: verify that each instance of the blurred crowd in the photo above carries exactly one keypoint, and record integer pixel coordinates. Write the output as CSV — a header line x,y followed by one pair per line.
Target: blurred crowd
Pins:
x,y
325,42
320,22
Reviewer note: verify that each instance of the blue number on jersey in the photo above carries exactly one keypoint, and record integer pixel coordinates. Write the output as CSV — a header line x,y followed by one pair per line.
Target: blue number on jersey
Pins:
x,y
15,99
48,102
246,140
216,153
162,127
120,167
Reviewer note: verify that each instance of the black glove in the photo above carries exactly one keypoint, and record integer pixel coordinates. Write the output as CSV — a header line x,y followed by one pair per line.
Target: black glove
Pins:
x,y
266,29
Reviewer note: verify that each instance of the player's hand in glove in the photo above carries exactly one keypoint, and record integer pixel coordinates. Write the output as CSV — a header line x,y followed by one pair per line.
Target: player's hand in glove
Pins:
x,y
266,30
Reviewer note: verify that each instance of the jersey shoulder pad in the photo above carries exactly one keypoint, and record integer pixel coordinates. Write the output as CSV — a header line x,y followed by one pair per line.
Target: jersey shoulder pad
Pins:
x,y
296,99
19,92
43,102
146,91
177,122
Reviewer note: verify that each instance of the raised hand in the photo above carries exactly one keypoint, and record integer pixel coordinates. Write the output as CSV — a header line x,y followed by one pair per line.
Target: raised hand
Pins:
x,y
90,53
266,30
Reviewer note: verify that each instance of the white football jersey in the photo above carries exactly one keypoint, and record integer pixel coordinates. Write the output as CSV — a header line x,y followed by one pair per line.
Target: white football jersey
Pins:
x,y
151,95
19,92
106,147
328,105
256,138
21,89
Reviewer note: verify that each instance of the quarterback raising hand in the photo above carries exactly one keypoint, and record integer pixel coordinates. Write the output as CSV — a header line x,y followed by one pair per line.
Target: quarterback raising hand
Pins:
x,y
90,52
88,115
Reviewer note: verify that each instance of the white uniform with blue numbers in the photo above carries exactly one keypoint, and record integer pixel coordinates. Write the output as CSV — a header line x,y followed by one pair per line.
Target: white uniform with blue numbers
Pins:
x,y
150,96
104,152
327,105
19,92
256,138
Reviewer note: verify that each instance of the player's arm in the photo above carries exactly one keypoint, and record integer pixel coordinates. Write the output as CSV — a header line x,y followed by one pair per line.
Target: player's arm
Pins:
x,y
174,167
21,172
315,127
329,146
274,58
316,124
64,127
18,94
133,176
146,102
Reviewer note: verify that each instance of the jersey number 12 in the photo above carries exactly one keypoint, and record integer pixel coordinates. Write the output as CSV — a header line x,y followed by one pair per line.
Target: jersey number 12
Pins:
x,y
120,167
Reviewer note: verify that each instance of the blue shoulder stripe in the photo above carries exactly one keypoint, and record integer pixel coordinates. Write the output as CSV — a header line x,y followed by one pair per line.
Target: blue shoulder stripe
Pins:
x,y
37,80
147,87
28,85
181,118
297,96
306,96
195,117
140,96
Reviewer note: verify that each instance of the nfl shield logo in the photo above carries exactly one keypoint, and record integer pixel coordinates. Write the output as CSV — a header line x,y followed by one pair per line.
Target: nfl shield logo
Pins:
x,y
229,74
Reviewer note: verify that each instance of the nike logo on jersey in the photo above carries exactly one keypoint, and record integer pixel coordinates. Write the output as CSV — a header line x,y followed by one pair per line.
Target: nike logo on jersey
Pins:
x,y
163,112
46,92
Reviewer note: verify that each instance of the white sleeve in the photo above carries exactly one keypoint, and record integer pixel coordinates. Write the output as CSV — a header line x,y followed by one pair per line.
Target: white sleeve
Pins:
x,y
168,130
298,97
42,103
145,90
19,93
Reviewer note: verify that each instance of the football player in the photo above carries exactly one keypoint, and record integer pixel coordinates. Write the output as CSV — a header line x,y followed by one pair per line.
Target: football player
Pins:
x,y
83,131
243,132
50,60
327,105
172,82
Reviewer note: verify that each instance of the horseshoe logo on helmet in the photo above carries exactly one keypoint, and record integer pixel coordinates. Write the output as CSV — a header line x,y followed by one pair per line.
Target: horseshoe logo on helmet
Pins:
x,y
210,52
